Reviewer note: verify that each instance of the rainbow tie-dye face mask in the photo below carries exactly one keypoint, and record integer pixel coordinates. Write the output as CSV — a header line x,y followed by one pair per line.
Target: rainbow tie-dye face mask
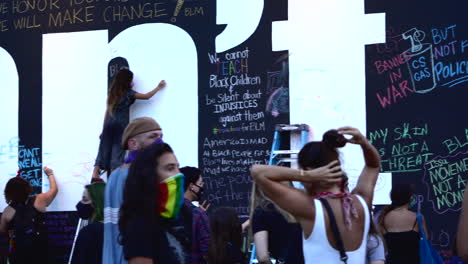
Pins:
x,y
171,196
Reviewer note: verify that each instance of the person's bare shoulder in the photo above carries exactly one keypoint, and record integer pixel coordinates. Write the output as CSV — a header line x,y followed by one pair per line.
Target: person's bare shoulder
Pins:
x,y
9,213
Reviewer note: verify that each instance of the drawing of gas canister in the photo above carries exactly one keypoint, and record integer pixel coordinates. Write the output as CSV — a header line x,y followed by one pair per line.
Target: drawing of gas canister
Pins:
x,y
420,61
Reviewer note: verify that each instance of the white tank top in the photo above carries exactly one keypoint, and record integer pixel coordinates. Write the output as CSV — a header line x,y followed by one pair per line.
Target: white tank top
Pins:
x,y
318,250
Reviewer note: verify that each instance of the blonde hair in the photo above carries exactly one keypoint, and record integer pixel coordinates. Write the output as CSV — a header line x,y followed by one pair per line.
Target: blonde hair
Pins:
x,y
258,199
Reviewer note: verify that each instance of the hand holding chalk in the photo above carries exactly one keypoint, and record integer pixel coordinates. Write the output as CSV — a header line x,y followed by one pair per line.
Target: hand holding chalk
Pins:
x,y
162,84
48,171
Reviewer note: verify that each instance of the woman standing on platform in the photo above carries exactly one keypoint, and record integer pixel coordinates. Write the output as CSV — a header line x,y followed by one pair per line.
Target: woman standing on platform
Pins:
x,y
121,97
335,223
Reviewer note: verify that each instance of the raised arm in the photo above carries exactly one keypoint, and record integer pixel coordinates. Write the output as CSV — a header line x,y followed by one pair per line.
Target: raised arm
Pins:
x,y
462,233
6,218
292,200
150,94
368,178
261,247
44,199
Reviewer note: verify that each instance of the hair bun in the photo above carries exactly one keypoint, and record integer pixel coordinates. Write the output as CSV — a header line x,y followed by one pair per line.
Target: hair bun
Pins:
x,y
333,139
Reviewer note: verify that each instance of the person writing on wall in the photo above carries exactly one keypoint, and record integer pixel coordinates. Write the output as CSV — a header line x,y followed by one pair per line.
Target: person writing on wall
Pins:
x,y
23,218
121,97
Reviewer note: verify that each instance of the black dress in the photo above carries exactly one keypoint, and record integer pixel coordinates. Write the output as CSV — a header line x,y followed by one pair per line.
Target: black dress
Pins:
x,y
111,153
403,247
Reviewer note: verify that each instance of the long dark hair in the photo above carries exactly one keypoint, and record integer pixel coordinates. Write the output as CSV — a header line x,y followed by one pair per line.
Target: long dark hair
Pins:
x,y
400,195
120,85
224,228
17,190
319,153
140,193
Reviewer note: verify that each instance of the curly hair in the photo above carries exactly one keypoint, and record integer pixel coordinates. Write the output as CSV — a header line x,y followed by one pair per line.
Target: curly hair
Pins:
x,y
17,190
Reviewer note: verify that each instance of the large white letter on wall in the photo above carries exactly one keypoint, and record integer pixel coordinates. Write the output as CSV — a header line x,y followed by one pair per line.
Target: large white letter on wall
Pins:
x,y
165,52
9,119
75,92
326,42
241,17
73,107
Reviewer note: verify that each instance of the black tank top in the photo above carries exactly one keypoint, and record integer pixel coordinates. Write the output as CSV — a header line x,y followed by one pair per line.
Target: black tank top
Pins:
x,y
403,247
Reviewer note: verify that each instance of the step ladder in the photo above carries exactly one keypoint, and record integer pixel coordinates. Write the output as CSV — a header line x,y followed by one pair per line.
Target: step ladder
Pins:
x,y
298,135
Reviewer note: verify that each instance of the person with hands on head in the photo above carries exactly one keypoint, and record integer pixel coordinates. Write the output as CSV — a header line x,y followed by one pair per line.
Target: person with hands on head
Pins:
x,y
23,218
322,178
117,116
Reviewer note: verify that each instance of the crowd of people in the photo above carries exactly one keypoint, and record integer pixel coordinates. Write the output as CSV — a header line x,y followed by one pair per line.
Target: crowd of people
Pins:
x,y
151,210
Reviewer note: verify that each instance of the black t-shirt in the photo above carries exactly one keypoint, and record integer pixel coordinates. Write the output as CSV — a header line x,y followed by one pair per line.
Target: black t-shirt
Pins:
x,y
284,239
164,242
88,246
29,234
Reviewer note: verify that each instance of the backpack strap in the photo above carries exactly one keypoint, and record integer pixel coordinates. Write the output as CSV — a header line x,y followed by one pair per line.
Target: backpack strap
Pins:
x,y
336,231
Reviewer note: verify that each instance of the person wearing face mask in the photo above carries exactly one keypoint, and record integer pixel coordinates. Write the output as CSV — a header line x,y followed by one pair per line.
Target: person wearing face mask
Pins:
x,y
201,224
153,222
140,133
399,226
88,246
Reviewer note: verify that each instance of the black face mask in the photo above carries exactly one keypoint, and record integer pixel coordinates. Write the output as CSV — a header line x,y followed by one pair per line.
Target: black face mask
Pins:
x,y
199,194
85,211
